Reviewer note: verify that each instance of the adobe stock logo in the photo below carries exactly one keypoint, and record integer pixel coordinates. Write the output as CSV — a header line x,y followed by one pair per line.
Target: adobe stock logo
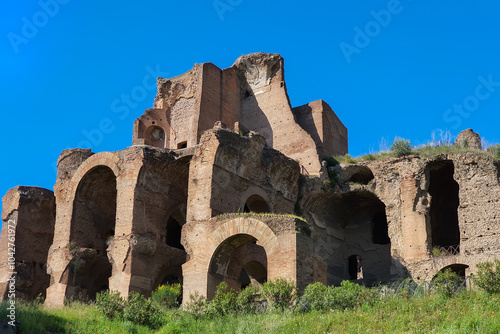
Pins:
x,y
471,103
223,6
373,28
40,19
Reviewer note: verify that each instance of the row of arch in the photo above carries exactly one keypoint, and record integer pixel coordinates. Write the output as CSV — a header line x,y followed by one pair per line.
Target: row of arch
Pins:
x,y
93,229
94,217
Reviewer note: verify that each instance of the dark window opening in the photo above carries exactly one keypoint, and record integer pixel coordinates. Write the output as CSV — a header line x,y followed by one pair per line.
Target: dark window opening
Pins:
x,y
174,233
182,145
445,231
363,176
354,267
257,204
244,279
380,229
171,279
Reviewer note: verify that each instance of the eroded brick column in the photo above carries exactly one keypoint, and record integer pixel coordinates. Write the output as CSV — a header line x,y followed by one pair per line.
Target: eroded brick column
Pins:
x,y
28,217
414,227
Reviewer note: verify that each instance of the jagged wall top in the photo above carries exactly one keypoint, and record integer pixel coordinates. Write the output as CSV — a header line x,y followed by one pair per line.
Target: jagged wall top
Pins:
x,y
249,96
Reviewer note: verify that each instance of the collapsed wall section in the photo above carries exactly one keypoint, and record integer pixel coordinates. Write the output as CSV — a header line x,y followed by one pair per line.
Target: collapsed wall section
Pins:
x,y
249,96
441,212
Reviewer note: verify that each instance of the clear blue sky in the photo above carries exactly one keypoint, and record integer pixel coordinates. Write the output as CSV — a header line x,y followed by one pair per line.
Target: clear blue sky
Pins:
x,y
387,68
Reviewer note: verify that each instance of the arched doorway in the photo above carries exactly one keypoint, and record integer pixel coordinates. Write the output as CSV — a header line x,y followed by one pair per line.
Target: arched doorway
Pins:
x,y
443,213
92,230
457,268
238,261
248,265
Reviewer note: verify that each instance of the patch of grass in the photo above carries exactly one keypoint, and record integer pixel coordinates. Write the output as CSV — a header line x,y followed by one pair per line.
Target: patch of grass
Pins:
x,y
430,151
471,312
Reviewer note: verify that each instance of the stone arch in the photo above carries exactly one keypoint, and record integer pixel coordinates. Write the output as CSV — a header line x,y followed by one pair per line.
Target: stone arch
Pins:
x,y
227,239
100,159
255,200
92,225
248,266
155,136
457,268
357,174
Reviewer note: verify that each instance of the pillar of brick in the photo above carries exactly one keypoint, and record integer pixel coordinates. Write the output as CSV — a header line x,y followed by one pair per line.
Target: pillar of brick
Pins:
x,y
28,217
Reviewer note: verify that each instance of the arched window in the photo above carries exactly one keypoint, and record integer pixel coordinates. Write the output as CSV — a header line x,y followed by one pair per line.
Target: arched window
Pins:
x,y
155,136
257,204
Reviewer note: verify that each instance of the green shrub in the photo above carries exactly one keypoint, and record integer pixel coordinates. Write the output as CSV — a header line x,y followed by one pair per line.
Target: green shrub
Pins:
x,y
167,295
111,304
196,304
436,251
401,147
494,151
348,296
488,278
280,294
369,157
314,297
224,302
446,283
142,311
247,299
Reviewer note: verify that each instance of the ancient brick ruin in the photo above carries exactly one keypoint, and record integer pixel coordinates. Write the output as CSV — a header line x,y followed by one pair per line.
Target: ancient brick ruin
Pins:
x,y
219,147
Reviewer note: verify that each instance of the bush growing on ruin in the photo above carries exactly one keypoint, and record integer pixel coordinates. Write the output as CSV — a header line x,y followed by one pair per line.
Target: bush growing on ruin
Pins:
x,y
223,303
348,296
401,147
281,294
247,299
142,311
488,276
167,295
111,304
446,283
196,304
314,297
494,151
